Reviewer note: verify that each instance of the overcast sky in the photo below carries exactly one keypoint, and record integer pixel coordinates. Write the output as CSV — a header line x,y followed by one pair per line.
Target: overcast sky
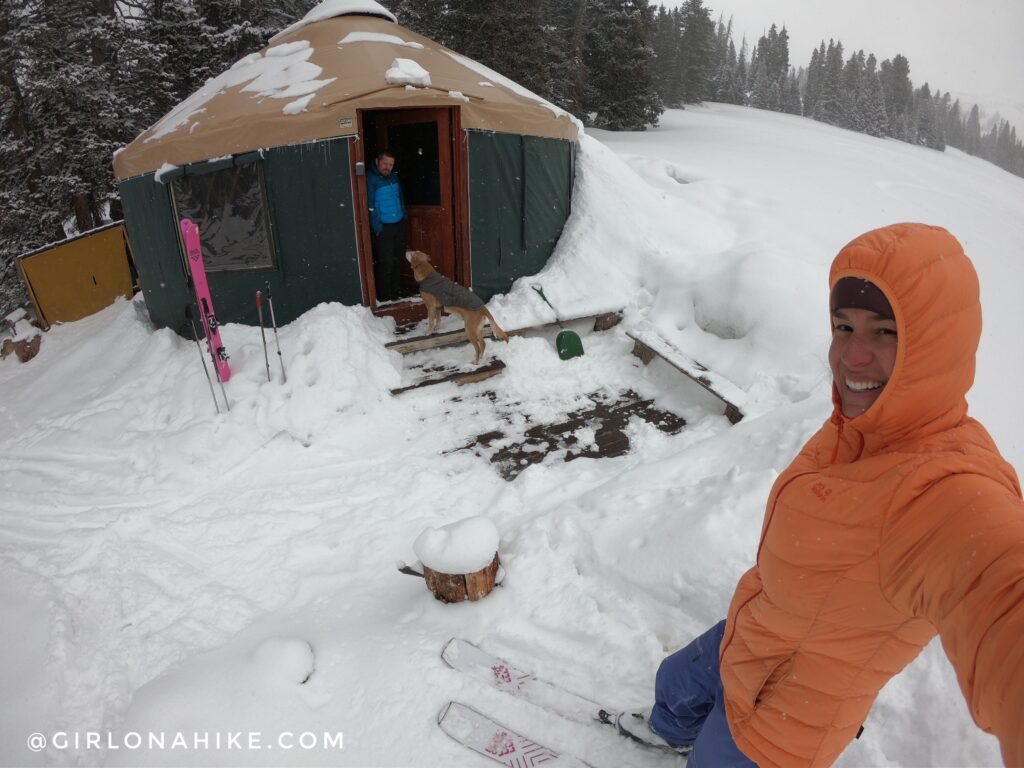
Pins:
x,y
971,48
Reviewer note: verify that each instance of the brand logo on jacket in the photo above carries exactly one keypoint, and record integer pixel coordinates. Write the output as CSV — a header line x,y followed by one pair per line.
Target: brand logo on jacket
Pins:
x,y
821,490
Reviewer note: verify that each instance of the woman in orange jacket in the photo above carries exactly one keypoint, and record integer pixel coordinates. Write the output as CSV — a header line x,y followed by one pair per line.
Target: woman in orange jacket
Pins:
x,y
898,520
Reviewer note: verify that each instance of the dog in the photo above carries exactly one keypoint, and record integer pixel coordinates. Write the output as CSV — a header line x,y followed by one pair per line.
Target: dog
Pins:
x,y
443,295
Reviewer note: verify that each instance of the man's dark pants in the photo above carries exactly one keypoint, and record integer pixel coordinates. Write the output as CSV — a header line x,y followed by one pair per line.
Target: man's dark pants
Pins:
x,y
388,248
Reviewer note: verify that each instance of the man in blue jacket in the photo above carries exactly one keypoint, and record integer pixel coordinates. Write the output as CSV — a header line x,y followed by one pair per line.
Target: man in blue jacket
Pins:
x,y
387,218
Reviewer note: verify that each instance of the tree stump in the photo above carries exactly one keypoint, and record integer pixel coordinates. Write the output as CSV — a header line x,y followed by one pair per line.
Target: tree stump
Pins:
x,y
456,587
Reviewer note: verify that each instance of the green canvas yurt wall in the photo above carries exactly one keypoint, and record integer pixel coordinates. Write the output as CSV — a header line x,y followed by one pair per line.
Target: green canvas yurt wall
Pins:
x,y
309,200
520,191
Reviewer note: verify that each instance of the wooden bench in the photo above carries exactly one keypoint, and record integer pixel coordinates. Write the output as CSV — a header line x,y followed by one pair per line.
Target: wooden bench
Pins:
x,y
648,343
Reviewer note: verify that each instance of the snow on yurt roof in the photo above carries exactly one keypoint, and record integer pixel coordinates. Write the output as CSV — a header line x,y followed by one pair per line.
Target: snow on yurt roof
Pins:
x,y
343,56
330,8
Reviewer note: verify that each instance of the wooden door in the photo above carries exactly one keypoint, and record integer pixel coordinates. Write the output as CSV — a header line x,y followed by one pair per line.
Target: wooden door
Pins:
x,y
421,140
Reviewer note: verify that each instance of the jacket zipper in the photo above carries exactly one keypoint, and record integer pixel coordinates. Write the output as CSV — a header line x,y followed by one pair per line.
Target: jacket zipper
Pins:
x,y
839,439
757,559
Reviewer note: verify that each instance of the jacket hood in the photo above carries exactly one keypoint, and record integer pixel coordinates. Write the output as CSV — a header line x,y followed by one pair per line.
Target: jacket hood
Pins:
x,y
933,290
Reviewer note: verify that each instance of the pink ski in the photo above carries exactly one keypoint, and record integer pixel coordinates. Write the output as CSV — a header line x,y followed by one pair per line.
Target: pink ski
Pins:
x,y
194,250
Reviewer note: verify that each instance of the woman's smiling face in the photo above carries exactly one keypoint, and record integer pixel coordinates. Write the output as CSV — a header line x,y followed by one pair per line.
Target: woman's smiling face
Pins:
x,y
861,356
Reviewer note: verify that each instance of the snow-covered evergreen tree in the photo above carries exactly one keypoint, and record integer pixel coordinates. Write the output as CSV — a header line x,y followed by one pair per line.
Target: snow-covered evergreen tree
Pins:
x,y
955,125
851,87
620,91
507,37
928,130
791,101
871,101
760,95
815,79
667,65
899,97
564,34
828,108
428,17
696,51
972,132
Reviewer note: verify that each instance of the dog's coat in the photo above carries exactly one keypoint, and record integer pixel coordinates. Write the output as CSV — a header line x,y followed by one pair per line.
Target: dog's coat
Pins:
x,y
450,293
439,294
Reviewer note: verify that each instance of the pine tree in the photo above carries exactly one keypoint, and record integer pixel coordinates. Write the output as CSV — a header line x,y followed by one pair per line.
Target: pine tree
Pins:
x,y
791,102
972,132
724,81
780,54
620,88
989,143
696,52
507,37
829,106
760,96
899,97
734,93
24,216
742,74
872,103
851,87
815,79
427,17
927,128
1004,146
955,126
668,68
564,35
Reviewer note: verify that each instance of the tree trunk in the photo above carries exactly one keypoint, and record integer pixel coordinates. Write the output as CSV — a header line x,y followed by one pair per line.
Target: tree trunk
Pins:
x,y
81,203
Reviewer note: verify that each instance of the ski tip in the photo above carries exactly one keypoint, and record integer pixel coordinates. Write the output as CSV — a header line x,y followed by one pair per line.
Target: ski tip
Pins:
x,y
449,651
444,711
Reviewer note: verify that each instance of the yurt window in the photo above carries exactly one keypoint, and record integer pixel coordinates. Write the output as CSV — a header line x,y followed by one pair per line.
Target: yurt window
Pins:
x,y
230,206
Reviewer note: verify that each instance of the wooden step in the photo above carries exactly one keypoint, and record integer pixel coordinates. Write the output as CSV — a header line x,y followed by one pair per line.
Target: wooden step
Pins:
x,y
602,321
456,376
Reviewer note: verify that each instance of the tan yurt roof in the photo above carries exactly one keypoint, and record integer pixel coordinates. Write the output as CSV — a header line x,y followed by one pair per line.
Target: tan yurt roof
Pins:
x,y
309,82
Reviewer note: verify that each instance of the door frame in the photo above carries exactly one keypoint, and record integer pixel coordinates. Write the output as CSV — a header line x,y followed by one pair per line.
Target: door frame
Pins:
x,y
459,144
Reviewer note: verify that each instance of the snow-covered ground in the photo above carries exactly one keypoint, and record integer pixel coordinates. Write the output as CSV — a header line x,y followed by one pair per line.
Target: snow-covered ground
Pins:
x,y
166,569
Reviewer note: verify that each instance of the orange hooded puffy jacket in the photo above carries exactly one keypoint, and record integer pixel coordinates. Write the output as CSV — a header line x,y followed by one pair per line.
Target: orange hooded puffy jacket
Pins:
x,y
886,528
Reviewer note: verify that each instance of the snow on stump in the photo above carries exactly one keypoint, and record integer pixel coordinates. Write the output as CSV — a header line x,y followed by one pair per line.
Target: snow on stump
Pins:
x,y
460,560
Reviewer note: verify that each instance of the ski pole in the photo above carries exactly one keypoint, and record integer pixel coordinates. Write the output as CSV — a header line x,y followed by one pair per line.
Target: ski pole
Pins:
x,y
277,341
202,357
263,333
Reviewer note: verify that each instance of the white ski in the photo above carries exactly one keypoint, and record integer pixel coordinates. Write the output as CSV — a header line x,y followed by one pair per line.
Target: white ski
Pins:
x,y
464,656
503,745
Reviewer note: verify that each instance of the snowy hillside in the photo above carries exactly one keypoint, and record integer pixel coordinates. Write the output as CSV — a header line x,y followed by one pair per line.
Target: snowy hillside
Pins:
x,y
166,569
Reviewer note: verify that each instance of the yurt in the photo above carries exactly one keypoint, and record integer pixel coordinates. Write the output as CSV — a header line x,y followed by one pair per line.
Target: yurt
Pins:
x,y
270,157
